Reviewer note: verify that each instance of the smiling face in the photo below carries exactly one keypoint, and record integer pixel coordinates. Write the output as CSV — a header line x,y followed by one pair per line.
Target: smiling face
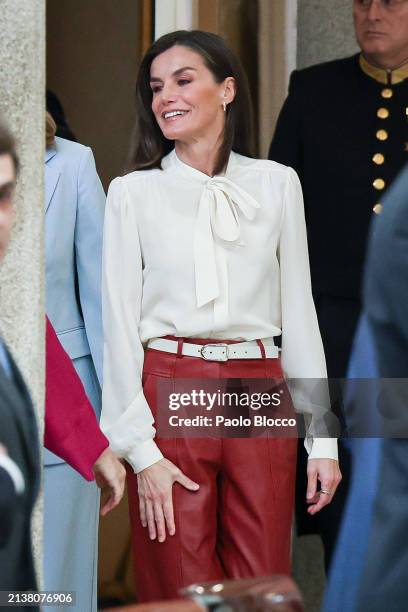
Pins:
x,y
187,102
7,180
382,30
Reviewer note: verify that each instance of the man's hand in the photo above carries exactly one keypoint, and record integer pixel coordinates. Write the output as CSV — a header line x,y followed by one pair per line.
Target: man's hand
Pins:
x,y
110,477
3,450
328,473
155,487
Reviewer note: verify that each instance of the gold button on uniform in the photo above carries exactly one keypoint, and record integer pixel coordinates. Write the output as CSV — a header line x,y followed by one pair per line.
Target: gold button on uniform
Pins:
x,y
377,208
382,134
387,93
379,184
383,113
378,159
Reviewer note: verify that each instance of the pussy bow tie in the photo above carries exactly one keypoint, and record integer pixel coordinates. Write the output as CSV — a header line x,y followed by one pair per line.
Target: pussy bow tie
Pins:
x,y
218,219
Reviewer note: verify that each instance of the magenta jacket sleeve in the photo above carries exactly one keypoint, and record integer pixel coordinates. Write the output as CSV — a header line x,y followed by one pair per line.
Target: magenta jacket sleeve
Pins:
x,y
71,428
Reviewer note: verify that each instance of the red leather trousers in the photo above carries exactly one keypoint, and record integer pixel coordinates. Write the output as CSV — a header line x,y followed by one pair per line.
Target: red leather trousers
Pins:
x,y
238,524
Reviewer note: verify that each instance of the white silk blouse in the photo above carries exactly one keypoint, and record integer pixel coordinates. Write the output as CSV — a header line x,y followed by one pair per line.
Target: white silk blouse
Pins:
x,y
189,255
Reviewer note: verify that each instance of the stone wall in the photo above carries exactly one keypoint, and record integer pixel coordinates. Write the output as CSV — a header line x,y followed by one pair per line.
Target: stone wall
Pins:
x,y
325,31
22,87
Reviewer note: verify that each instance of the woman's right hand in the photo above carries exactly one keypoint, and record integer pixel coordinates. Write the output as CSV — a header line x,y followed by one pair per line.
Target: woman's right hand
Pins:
x,y
155,488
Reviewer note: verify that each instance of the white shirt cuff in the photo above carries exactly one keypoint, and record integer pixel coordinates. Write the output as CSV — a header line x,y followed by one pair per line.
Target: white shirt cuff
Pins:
x,y
324,448
144,455
14,472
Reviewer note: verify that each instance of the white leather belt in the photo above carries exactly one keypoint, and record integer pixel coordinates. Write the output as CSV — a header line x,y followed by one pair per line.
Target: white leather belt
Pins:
x,y
217,351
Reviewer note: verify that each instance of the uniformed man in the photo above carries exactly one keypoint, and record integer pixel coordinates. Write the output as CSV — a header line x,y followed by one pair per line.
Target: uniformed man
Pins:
x,y
344,128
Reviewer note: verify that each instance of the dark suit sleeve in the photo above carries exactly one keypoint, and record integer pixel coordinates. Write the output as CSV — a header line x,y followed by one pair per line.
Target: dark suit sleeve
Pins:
x,y
386,286
384,582
71,429
8,500
286,143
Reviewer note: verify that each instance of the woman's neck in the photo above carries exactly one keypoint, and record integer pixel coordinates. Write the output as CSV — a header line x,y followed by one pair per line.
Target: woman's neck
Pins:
x,y
200,154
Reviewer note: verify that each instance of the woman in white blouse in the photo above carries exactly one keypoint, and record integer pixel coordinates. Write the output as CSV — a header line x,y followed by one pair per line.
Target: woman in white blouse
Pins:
x,y
205,262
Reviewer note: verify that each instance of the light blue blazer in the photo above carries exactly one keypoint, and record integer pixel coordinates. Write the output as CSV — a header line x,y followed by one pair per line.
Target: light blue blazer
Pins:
x,y
74,213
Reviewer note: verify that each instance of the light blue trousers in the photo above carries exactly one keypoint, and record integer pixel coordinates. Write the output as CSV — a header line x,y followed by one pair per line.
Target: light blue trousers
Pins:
x,y
71,518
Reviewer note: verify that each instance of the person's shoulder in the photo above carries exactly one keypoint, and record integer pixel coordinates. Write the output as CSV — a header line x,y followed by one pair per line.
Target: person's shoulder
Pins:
x,y
137,175
131,182
326,71
69,148
331,67
257,165
70,157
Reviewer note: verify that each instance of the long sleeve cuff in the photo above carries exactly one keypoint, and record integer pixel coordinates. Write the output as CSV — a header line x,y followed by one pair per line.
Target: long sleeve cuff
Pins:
x,y
83,444
144,455
324,448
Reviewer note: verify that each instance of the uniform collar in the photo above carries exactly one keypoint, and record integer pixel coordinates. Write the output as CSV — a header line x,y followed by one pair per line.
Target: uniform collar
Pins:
x,y
387,77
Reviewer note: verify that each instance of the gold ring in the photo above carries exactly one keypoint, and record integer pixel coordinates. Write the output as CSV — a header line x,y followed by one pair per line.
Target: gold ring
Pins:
x,y
325,492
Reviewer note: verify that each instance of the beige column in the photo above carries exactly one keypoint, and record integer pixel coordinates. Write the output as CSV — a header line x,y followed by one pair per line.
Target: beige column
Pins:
x,y
171,15
237,22
276,60
22,87
263,34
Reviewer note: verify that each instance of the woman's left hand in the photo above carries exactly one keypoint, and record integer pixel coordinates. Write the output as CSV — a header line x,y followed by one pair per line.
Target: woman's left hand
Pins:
x,y
327,471
110,476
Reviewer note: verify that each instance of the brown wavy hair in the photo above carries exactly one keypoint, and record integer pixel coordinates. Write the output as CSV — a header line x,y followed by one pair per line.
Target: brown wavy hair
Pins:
x,y
149,145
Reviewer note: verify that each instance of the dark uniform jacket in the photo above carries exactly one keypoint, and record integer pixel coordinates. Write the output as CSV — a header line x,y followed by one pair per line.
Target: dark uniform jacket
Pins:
x,y
18,433
344,129
346,134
